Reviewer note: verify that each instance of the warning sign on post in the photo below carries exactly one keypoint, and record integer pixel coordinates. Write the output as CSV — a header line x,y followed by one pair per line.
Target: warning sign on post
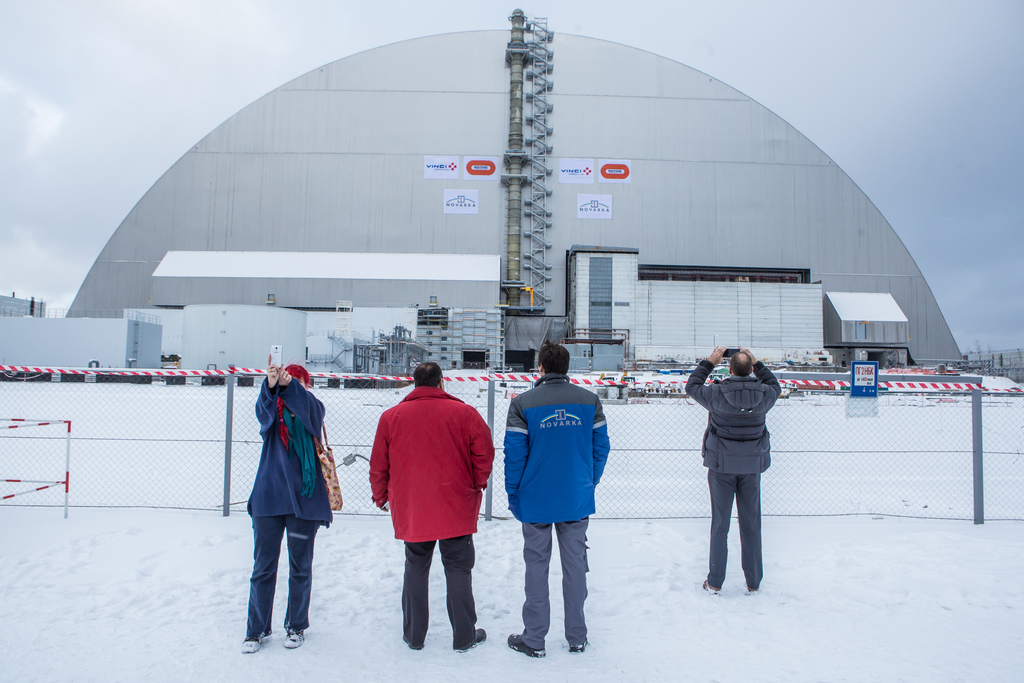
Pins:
x,y
864,379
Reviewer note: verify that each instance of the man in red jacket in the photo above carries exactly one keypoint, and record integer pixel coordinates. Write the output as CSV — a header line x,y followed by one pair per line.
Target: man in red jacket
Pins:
x,y
431,459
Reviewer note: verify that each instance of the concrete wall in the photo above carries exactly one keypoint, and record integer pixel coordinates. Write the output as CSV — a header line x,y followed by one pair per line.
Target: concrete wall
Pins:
x,y
74,342
241,336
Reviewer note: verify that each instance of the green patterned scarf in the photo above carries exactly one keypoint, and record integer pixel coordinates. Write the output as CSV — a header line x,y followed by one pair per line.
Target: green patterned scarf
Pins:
x,y
301,446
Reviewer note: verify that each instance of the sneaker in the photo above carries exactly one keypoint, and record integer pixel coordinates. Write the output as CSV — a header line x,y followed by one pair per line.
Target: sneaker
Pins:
x,y
479,637
515,641
751,591
711,589
252,645
294,639
576,649
411,646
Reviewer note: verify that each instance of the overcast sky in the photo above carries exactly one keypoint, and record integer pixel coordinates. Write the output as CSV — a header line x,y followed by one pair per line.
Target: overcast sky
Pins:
x,y
920,102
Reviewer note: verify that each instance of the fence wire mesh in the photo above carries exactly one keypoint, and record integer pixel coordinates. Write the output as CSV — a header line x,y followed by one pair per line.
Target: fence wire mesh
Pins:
x,y
163,445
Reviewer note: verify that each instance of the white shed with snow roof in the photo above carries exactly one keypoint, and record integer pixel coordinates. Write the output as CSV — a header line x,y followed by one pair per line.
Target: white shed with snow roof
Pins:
x,y
861,319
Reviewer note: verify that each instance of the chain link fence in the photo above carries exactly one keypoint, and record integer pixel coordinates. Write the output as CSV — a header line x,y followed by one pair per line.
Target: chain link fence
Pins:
x,y
163,444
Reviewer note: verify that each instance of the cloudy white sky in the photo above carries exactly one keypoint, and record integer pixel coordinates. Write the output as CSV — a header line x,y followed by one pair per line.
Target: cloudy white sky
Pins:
x,y
921,102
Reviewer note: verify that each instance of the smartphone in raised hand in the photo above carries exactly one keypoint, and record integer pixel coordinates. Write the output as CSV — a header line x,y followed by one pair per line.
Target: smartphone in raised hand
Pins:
x,y
275,354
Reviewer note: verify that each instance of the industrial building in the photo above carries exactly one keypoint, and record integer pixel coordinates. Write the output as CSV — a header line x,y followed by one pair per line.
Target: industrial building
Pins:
x,y
493,188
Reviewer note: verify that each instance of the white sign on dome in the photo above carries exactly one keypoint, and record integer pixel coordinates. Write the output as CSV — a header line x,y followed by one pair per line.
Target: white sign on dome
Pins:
x,y
462,201
576,171
440,168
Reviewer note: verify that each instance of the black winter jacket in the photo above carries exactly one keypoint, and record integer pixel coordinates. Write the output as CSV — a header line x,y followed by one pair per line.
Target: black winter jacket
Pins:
x,y
736,440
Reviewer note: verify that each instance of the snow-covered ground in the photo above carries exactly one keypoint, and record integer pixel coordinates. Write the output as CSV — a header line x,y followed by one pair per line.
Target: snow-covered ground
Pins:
x,y
160,595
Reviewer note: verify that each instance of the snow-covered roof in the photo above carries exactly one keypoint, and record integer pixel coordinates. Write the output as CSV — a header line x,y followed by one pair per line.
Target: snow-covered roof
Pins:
x,y
327,265
866,307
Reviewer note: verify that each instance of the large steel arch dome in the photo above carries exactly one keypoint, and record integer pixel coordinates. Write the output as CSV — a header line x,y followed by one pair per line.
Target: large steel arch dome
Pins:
x,y
333,162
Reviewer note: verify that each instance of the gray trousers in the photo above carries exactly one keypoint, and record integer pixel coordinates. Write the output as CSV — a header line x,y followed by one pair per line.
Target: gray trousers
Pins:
x,y
746,489
572,549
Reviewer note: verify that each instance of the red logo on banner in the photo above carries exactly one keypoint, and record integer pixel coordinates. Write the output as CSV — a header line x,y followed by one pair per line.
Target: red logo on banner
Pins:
x,y
480,167
615,171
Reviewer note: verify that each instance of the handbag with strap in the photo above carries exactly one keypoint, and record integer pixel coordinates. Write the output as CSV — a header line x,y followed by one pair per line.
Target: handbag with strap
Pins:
x,y
329,472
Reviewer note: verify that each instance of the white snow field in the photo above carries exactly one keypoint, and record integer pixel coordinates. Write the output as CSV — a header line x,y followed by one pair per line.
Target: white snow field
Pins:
x,y
122,593
160,595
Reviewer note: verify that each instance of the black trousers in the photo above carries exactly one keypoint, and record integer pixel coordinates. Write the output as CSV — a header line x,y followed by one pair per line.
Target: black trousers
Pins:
x,y
458,557
745,489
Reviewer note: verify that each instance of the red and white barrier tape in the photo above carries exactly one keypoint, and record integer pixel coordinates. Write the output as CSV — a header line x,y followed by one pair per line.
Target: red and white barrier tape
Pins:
x,y
259,371
33,423
891,386
501,377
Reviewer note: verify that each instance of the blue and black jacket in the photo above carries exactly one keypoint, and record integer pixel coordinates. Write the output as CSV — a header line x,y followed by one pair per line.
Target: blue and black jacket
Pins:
x,y
556,447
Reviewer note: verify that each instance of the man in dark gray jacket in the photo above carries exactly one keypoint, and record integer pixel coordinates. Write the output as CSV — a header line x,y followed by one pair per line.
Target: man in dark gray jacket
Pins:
x,y
736,451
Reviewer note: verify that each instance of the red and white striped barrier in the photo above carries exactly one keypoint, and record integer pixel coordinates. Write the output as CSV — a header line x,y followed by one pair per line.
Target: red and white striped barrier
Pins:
x,y
21,423
891,386
500,377
259,371
131,373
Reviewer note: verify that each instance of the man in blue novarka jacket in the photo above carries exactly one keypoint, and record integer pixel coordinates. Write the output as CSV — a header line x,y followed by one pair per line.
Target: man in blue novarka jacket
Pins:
x,y
556,446
736,451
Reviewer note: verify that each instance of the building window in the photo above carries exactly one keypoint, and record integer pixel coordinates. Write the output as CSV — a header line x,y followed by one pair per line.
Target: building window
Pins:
x,y
862,330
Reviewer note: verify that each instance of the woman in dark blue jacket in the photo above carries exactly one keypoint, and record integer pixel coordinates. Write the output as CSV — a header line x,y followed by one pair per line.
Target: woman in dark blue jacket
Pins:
x,y
289,495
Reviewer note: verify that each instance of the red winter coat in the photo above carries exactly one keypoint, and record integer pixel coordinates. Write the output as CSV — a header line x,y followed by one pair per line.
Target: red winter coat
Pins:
x,y
431,459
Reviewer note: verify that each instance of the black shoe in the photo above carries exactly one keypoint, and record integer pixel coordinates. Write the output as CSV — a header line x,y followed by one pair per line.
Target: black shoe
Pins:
x,y
576,649
479,637
515,641
411,646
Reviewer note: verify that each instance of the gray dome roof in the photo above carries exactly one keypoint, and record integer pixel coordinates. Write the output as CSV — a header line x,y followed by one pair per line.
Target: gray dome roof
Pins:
x,y
333,162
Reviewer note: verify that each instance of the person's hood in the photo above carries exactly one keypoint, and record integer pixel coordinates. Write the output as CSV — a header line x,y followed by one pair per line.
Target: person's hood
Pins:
x,y
743,394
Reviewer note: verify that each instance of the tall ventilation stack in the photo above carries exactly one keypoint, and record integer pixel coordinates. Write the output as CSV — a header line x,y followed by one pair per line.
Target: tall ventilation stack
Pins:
x,y
526,161
514,55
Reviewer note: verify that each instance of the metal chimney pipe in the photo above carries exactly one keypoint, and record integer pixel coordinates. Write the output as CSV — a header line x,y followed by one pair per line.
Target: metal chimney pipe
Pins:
x,y
517,50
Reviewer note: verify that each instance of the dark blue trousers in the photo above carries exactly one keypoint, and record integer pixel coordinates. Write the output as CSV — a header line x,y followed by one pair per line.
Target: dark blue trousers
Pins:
x,y
746,490
266,555
458,557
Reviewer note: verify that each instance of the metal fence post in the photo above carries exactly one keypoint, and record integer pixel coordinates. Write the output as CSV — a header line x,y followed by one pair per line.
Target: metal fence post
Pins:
x,y
490,424
979,479
228,423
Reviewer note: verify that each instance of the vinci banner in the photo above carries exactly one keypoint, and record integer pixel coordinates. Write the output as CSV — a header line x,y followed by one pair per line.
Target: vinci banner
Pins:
x,y
440,168
461,201
613,170
576,171
481,168
594,206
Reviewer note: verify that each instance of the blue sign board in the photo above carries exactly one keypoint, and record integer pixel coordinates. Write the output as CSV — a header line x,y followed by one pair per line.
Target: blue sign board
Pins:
x,y
864,378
